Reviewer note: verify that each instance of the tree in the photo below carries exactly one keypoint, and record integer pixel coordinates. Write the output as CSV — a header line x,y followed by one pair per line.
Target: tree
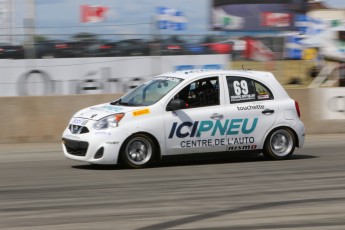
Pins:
x,y
84,36
40,38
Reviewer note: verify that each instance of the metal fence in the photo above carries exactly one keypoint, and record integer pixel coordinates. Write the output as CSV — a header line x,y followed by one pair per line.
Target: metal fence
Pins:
x,y
116,45
79,50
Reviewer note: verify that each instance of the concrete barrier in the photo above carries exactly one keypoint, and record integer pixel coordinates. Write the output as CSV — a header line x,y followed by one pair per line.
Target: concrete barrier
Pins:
x,y
322,109
43,119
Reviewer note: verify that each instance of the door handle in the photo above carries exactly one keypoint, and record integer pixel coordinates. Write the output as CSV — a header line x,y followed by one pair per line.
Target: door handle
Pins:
x,y
268,111
217,116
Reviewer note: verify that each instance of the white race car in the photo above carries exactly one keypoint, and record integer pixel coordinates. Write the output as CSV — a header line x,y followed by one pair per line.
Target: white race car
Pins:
x,y
188,112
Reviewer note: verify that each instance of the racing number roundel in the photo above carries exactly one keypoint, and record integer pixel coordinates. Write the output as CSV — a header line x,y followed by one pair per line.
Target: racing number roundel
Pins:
x,y
241,89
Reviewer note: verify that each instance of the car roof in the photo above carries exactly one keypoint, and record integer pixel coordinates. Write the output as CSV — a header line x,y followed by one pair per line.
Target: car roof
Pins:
x,y
262,76
189,74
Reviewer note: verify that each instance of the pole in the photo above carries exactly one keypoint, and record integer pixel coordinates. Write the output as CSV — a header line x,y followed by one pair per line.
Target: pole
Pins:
x,y
29,26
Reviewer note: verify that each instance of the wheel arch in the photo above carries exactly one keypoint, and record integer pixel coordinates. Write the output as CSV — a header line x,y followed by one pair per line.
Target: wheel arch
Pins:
x,y
281,127
158,147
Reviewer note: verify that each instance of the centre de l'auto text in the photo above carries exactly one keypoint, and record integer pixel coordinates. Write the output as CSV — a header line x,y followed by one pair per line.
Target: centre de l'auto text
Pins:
x,y
196,130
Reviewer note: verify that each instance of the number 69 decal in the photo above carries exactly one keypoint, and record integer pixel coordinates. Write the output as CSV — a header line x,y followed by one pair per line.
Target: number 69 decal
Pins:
x,y
241,87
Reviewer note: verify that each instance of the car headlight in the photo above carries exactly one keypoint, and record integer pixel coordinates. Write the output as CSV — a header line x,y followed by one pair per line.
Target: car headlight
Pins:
x,y
111,121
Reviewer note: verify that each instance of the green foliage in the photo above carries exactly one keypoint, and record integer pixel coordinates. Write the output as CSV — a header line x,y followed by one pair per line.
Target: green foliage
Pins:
x,y
84,36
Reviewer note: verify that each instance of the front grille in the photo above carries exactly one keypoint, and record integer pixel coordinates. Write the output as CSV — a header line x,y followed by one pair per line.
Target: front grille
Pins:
x,y
77,148
77,129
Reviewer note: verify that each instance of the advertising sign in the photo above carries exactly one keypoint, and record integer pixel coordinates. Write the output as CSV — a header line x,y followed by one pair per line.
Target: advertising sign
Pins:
x,y
93,13
66,76
255,15
276,19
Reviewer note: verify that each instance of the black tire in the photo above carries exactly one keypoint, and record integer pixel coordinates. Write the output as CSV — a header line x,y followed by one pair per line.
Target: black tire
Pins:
x,y
280,144
138,151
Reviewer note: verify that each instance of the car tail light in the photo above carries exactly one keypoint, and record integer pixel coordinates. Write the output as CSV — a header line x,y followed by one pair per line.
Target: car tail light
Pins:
x,y
105,47
1,50
297,109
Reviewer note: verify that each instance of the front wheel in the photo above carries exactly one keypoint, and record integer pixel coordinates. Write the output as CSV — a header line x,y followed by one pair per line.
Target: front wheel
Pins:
x,y
280,144
138,151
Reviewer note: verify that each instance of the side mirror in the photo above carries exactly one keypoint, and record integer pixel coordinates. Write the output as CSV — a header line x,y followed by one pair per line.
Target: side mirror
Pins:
x,y
176,104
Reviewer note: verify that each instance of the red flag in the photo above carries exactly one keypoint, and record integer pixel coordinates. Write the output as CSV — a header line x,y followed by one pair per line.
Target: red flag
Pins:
x,y
257,51
93,13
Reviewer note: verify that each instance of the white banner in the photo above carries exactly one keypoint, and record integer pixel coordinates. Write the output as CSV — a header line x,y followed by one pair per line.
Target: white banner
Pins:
x,y
93,75
332,103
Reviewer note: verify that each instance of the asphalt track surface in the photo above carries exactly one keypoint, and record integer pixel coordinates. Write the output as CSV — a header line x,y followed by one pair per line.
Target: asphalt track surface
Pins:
x,y
40,189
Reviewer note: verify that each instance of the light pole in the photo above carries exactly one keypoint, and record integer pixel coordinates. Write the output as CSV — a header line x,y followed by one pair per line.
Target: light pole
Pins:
x,y
5,21
29,28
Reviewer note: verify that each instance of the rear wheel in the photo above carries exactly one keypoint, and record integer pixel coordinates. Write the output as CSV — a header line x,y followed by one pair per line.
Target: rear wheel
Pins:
x,y
138,151
280,144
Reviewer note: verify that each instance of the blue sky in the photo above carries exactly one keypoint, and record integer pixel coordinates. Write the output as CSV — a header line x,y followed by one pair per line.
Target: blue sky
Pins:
x,y
335,3
123,17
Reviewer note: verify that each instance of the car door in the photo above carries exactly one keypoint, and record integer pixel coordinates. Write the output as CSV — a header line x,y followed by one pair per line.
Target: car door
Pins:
x,y
191,130
251,111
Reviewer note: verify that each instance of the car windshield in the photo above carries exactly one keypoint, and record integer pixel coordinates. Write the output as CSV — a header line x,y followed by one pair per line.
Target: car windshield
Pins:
x,y
149,92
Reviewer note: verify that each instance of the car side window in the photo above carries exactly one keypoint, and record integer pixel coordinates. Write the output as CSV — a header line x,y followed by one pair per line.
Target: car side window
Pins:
x,y
243,89
203,92
262,92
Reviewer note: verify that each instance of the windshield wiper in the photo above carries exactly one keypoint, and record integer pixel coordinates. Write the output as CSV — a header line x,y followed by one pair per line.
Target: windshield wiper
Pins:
x,y
115,102
127,103
119,102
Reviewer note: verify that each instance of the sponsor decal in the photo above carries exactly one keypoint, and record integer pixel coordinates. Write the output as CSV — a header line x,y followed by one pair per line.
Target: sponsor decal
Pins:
x,y
241,92
241,147
247,97
108,109
233,144
103,133
196,67
173,79
196,143
250,107
221,128
112,108
241,140
141,112
266,96
112,142
72,137
78,121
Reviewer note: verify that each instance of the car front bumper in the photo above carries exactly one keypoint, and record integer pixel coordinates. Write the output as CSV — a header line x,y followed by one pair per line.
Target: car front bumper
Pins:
x,y
96,147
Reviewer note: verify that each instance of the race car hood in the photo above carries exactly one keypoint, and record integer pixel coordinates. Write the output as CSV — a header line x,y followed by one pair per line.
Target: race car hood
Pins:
x,y
97,112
